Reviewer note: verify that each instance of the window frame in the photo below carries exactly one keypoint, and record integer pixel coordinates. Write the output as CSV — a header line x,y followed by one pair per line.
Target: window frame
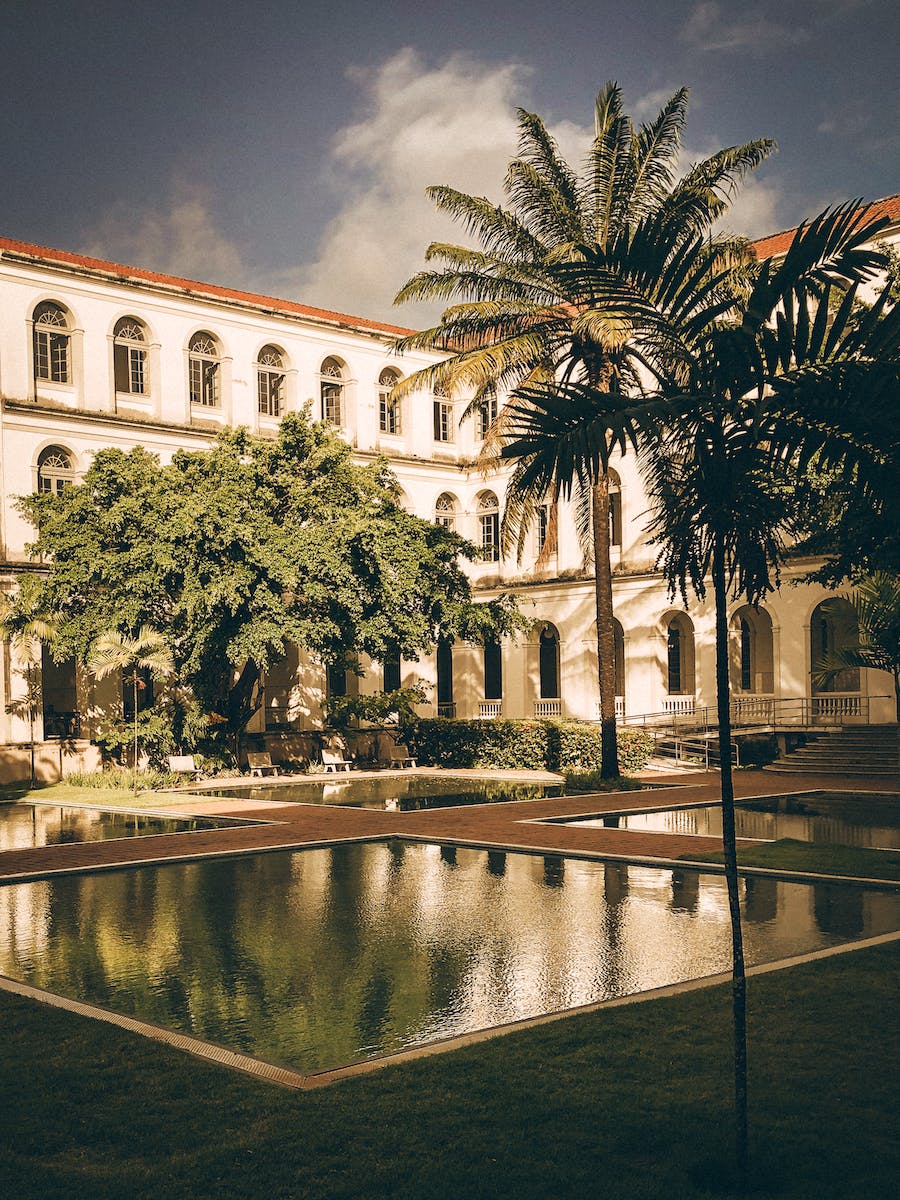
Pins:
x,y
205,371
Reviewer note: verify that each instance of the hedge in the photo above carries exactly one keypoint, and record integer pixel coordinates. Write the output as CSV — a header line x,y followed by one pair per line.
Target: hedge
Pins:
x,y
536,745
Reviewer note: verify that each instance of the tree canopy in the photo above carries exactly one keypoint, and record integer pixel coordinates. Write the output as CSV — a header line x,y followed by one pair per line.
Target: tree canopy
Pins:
x,y
236,551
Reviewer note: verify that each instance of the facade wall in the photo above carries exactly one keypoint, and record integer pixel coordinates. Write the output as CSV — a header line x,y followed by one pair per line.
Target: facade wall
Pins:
x,y
87,413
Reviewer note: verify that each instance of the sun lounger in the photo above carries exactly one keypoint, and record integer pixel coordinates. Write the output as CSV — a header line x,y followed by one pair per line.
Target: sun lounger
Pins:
x,y
332,761
260,763
184,764
401,757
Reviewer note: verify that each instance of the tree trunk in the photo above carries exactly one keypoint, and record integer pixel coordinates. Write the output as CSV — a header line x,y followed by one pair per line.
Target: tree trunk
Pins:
x,y
606,638
29,685
135,764
729,845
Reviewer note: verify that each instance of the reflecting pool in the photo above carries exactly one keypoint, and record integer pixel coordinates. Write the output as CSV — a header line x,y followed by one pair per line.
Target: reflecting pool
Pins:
x,y
23,826
405,793
842,819
317,958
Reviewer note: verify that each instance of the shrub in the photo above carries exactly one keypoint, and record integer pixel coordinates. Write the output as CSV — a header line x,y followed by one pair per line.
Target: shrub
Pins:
x,y
592,781
535,745
120,777
757,749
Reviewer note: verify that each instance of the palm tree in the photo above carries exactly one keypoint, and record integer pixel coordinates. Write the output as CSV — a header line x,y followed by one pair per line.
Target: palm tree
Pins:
x,y
28,627
746,388
116,651
876,604
522,318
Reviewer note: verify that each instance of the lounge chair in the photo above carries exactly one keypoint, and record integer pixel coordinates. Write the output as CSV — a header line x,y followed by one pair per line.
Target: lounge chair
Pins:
x,y
401,757
260,763
184,764
332,761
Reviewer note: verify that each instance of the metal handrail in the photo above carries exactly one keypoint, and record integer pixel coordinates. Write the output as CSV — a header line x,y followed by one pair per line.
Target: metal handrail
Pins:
x,y
829,708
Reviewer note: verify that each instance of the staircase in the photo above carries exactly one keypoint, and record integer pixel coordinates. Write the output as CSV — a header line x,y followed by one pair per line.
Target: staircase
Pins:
x,y
851,750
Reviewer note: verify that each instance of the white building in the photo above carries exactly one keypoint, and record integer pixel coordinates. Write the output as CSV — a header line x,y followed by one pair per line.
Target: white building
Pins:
x,y
95,354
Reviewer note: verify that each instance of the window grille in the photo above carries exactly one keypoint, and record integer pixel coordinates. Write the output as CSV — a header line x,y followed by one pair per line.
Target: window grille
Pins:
x,y
270,382
51,344
204,370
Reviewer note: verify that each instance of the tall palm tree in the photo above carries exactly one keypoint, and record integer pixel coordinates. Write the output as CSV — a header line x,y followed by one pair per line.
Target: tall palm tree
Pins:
x,y
28,627
147,651
876,604
746,387
522,318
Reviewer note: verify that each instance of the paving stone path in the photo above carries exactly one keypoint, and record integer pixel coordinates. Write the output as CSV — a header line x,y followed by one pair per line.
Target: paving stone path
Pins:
x,y
513,825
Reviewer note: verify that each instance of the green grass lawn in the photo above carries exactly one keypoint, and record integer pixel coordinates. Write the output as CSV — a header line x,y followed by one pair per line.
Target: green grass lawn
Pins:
x,y
626,1104
96,797
787,854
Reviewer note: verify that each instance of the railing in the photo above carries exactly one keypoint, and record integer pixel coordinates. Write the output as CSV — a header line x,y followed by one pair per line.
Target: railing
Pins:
x,y
694,750
620,708
447,710
490,709
680,705
548,708
62,725
802,712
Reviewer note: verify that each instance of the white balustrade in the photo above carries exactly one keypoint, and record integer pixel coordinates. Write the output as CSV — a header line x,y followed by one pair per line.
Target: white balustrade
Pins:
x,y
548,708
490,709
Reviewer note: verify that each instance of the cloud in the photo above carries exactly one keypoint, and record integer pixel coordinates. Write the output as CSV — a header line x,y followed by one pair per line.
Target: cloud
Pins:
x,y
181,240
450,124
710,27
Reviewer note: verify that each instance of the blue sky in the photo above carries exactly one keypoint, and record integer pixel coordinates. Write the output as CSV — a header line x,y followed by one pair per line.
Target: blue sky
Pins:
x,y
285,147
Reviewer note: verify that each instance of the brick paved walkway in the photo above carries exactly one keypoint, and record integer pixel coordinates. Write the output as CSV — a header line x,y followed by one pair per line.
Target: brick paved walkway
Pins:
x,y
510,825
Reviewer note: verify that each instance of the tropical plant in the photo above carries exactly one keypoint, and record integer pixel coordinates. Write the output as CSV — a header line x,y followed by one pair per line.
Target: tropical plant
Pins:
x,y
28,627
145,653
876,605
745,389
522,318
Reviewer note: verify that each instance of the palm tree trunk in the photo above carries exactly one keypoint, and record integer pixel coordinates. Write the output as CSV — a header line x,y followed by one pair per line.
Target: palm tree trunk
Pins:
x,y
29,684
135,731
606,638
729,845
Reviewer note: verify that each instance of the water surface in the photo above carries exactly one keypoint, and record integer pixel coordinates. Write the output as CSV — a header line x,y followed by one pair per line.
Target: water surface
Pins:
x,y
405,793
24,826
317,958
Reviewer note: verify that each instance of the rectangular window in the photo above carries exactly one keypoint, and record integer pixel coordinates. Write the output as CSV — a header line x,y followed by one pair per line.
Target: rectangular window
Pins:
x,y
270,386
51,356
443,421
388,415
204,379
490,535
331,403
129,369
487,414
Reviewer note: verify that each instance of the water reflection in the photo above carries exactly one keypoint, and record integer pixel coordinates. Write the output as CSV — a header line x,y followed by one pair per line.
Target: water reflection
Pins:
x,y
24,826
391,792
320,957
842,820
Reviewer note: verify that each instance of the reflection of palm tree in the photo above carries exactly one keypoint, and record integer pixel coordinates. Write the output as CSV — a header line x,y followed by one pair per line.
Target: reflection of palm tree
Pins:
x,y
523,317
147,652
876,604
28,628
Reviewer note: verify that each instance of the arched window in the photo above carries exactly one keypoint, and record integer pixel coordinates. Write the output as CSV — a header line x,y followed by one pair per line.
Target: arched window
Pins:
x,y
615,510
443,416
389,411
548,653
679,655
493,670
832,627
130,357
445,511
489,525
332,391
52,344
750,651
270,382
54,469
203,370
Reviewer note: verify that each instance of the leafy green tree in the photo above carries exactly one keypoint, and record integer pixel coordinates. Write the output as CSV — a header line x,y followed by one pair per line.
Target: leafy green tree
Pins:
x,y
146,652
876,604
521,317
746,388
28,627
234,552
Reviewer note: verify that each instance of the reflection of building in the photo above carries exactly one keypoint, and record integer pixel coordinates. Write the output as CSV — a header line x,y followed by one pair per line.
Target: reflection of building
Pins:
x,y
94,354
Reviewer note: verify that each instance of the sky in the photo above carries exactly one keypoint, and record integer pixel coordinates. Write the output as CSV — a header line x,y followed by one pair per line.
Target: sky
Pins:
x,y
285,147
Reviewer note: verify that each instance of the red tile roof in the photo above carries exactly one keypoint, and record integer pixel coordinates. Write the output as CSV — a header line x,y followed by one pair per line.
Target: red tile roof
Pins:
x,y
777,243
202,291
